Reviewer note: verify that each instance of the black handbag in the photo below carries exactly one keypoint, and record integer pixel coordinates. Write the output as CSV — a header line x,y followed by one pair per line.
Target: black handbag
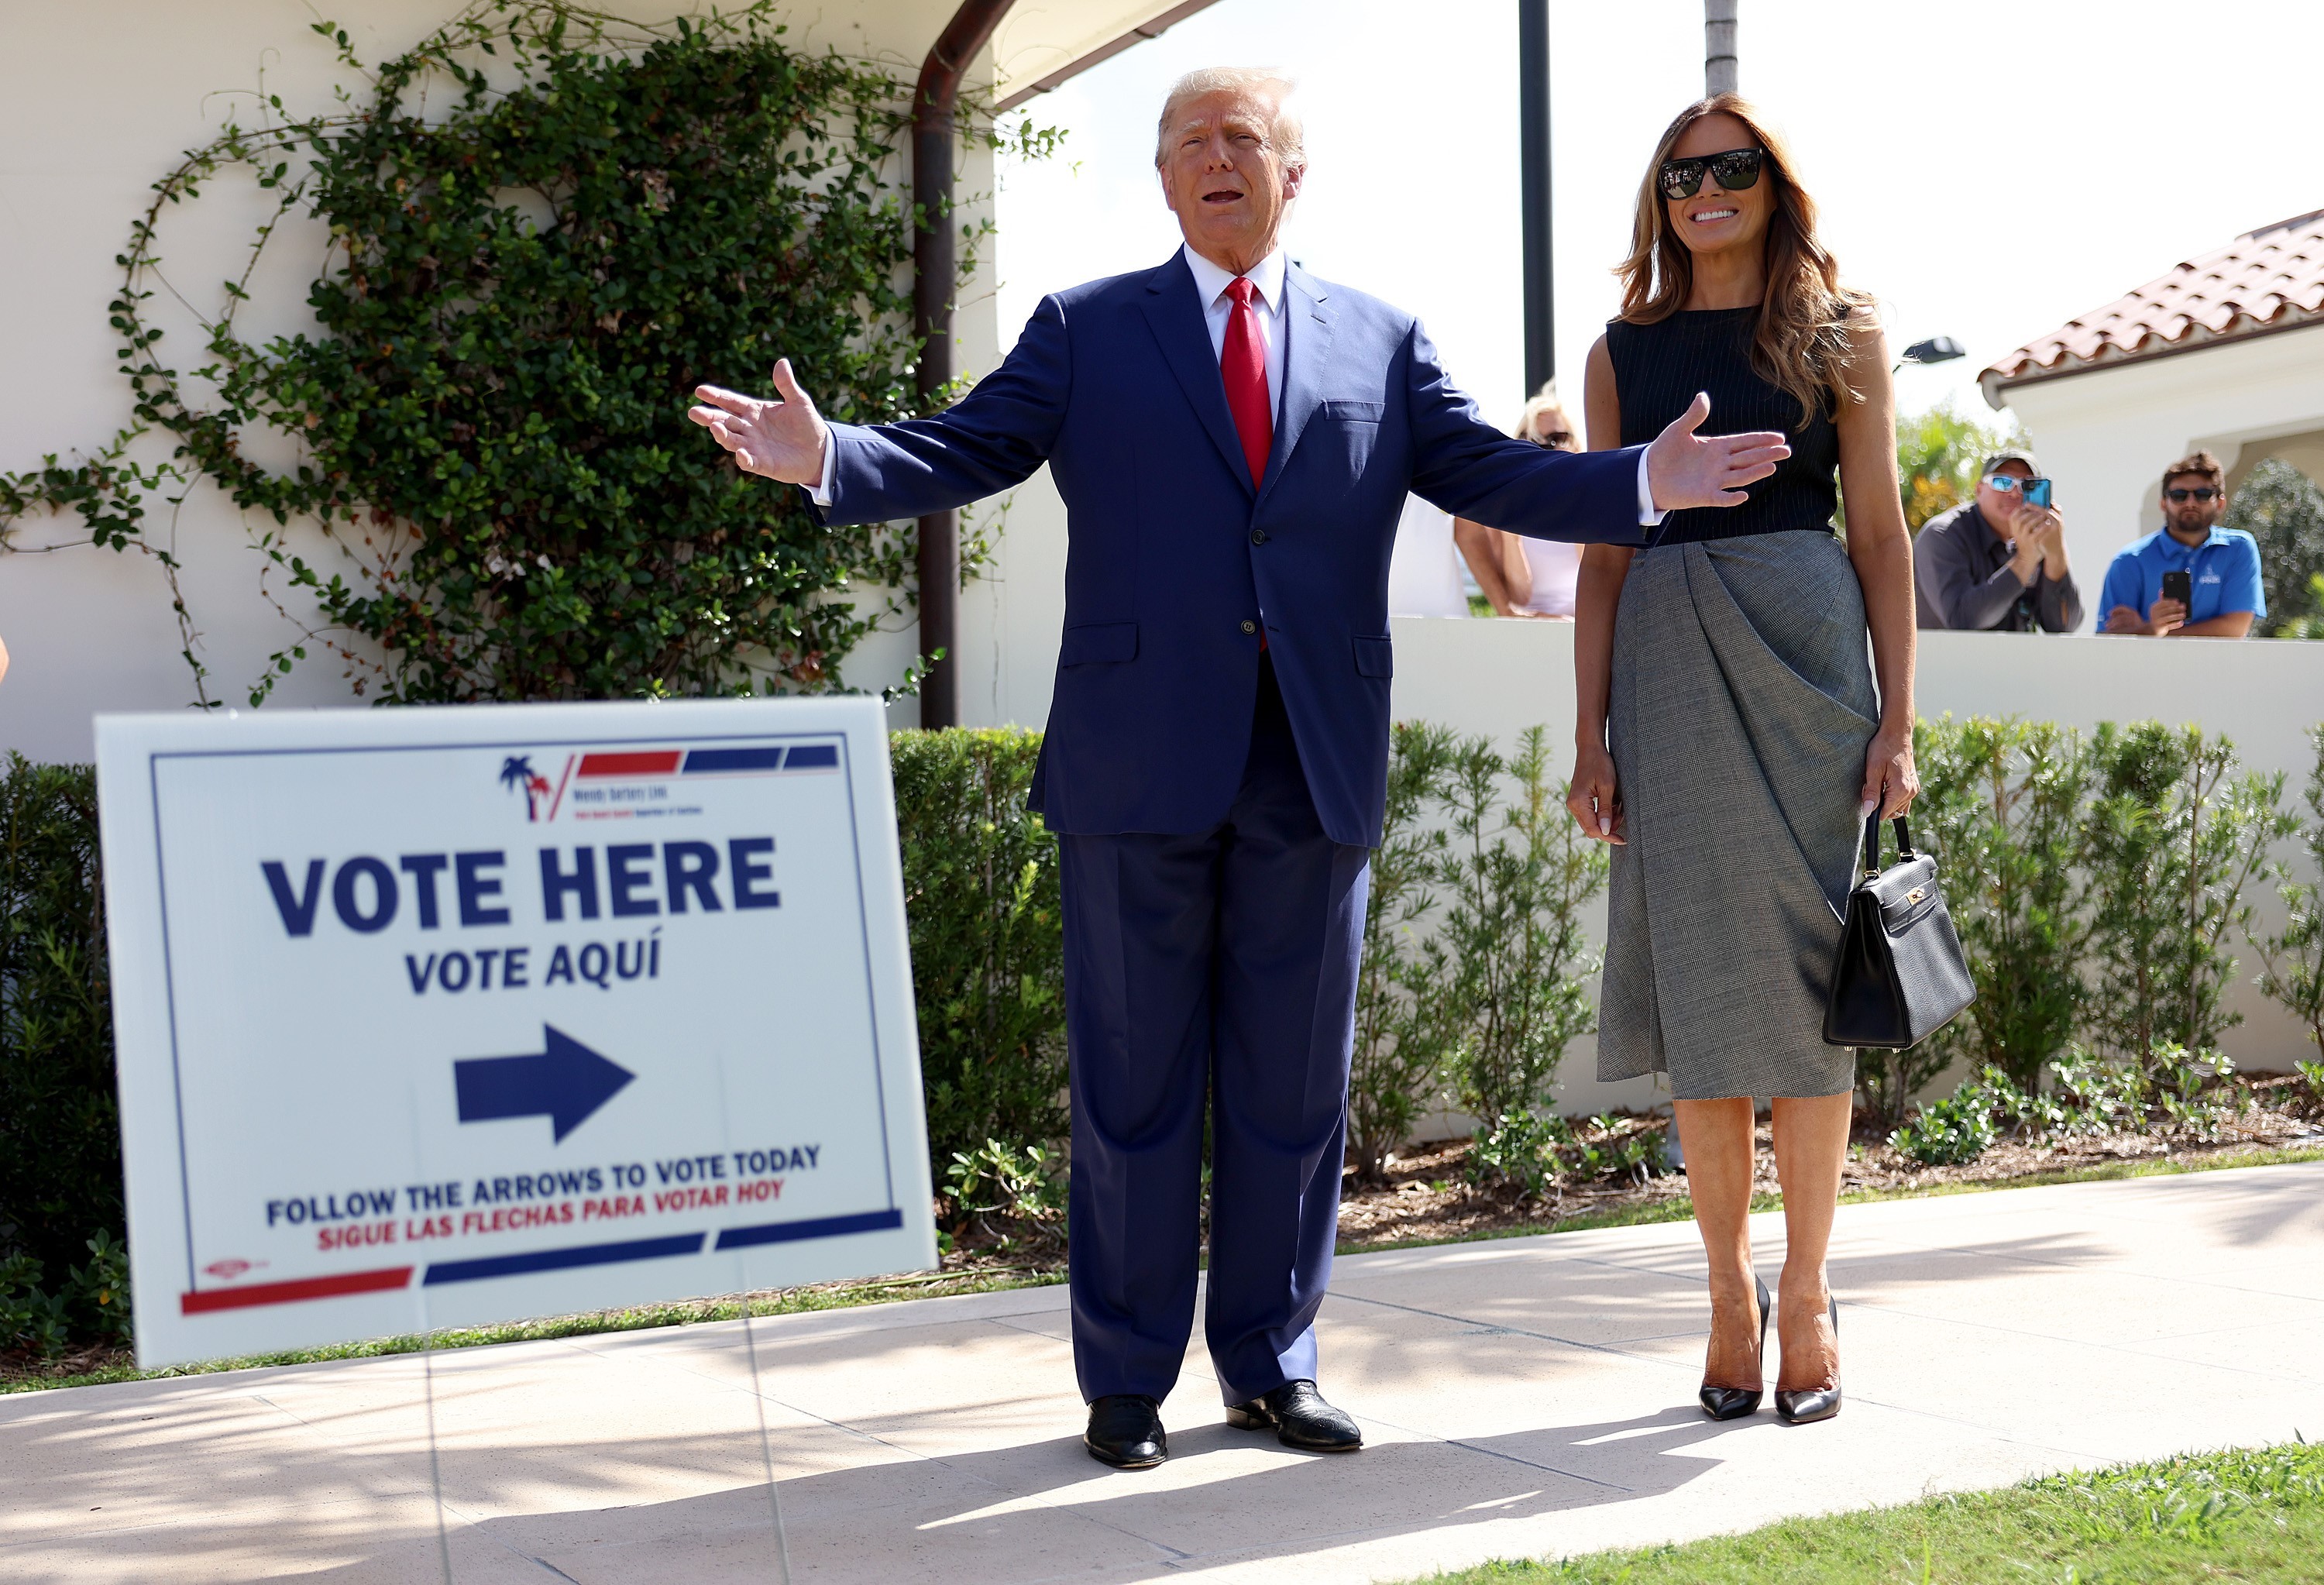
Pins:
x,y
1901,975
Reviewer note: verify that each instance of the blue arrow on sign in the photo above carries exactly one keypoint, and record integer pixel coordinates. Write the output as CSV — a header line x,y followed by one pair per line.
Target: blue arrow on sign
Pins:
x,y
564,1083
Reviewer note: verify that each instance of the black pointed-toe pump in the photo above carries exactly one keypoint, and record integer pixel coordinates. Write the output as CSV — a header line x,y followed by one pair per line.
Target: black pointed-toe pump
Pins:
x,y
1733,1403
1808,1405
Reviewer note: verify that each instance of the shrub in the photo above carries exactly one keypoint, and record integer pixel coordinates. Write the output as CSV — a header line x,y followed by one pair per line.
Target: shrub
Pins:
x,y
2001,804
1512,929
1520,1150
2281,509
2292,960
1950,1131
988,943
2172,842
59,1117
1402,979
1023,1183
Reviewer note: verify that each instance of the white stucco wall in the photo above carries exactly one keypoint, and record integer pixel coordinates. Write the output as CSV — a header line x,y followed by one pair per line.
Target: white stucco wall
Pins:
x,y
92,112
2106,435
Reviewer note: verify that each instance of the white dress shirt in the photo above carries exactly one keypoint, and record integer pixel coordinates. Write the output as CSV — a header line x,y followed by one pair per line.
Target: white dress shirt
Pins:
x,y
1211,283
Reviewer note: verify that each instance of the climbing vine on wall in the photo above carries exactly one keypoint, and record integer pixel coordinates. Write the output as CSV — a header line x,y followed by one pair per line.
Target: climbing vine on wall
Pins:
x,y
546,226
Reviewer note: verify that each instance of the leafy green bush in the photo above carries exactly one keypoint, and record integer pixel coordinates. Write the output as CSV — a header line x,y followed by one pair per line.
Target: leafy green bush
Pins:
x,y
2292,960
2312,1073
1517,876
1520,1150
2281,509
1024,1183
988,941
60,1119
1403,984
2001,802
1950,1131
2171,841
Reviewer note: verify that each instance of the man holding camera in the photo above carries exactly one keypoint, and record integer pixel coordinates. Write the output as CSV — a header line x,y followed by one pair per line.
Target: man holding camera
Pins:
x,y
2190,579
1997,563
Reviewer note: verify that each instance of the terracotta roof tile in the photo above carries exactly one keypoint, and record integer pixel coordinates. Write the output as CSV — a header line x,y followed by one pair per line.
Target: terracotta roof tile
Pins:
x,y
2264,280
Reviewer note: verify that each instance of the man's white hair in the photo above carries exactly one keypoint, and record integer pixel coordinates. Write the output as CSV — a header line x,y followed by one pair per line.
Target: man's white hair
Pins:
x,y
1287,134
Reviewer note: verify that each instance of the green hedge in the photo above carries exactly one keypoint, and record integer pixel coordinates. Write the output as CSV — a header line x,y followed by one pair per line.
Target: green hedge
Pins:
x,y
988,945
2102,882
60,1119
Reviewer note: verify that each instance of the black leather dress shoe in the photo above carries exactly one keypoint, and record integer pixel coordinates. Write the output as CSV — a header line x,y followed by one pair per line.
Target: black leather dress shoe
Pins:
x,y
1300,1418
1125,1430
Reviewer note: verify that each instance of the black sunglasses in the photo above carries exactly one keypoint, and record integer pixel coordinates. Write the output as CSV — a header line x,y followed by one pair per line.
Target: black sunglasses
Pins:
x,y
2196,495
1737,170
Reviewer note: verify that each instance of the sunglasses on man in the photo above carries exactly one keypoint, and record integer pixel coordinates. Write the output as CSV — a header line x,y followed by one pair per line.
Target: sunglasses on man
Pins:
x,y
2010,483
1736,170
2177,496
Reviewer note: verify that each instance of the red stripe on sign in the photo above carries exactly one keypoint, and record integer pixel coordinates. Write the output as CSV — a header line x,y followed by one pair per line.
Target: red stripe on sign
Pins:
x,y
285,1292
660,763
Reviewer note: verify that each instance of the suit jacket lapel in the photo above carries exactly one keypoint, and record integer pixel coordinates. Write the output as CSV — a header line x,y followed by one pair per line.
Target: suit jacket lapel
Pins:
x,y
1308,347
1174,310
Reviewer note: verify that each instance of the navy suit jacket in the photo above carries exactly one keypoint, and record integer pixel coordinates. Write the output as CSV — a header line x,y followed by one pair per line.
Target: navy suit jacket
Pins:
x,y
1176,557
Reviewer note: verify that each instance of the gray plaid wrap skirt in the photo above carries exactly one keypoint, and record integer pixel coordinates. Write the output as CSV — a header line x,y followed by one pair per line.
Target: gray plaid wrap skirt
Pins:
x,y
1742,705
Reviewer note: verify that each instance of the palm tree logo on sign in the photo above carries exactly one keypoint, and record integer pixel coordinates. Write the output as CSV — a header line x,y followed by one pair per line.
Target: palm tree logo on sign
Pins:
x,y
517,772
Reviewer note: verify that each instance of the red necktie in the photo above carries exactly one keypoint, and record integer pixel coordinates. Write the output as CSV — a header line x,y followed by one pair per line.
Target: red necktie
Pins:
x,y
1242,364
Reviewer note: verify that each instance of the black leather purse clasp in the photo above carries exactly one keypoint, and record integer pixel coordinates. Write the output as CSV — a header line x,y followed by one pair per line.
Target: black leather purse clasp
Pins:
x,y
1901,975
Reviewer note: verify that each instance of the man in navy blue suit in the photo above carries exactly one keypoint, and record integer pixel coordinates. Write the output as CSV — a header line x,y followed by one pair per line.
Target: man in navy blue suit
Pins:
x,y
1233,440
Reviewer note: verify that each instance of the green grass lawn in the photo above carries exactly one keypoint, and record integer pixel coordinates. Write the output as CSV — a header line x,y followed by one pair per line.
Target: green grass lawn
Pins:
x,y
2256,1517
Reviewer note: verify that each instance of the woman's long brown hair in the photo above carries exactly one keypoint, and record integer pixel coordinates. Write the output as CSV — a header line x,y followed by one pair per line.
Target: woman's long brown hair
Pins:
x,y
1801,344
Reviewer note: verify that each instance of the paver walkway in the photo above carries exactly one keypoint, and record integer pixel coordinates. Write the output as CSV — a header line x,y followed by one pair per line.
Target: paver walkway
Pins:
x,y
1524,1397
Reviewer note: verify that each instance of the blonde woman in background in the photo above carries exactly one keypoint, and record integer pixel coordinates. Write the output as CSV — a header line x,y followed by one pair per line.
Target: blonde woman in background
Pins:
x,y
1532,578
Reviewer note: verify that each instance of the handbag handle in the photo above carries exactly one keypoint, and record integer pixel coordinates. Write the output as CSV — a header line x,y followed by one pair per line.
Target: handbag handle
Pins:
x,y
1871,850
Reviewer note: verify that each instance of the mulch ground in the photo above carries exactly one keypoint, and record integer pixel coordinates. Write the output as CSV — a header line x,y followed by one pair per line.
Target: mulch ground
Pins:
x,y
1426,1196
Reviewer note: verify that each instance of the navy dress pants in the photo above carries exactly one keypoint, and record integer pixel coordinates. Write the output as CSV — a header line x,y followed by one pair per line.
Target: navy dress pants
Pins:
x,y
1211,973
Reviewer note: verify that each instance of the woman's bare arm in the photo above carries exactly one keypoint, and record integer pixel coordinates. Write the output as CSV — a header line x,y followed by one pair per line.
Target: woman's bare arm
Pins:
x,y
1480,548
1882,550
1594,799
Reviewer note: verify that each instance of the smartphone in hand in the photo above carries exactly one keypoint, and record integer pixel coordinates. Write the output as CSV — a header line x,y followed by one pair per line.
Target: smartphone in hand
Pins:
x,y
2037,492
2179,584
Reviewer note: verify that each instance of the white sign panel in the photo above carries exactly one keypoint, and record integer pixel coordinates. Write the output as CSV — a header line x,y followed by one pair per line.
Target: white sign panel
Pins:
x,y
453,1016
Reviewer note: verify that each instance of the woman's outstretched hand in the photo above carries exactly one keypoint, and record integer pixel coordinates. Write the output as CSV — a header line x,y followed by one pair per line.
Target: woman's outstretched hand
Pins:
x,y
1687,469
1891,780
782,439
1593,799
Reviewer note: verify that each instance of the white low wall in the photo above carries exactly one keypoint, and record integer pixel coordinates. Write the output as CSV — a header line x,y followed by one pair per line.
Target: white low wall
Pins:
x,y
1500,678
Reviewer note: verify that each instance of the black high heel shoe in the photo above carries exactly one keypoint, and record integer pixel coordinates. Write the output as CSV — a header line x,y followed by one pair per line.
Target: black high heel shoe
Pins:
x,y
1733,1403
1807,1404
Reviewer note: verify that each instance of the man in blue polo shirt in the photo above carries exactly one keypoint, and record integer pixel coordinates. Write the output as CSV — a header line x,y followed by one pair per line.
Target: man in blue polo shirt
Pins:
x,y
2223,595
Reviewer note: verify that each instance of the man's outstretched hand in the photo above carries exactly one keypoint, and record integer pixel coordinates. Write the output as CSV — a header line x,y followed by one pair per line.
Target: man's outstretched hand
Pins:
x,y
1687,469
782,439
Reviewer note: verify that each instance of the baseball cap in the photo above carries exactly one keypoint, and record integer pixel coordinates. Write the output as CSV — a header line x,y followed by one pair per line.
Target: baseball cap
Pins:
x,y
2012,454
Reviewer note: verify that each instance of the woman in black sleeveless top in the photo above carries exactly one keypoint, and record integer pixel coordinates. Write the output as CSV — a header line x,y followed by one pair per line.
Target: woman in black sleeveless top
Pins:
x,y
1732,740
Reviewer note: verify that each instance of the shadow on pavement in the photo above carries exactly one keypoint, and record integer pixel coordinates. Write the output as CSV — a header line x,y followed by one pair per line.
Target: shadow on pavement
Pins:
x,y
1044,1509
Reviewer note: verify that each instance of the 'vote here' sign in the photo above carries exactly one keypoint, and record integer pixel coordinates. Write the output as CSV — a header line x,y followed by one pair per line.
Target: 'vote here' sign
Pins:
x,y
446,1017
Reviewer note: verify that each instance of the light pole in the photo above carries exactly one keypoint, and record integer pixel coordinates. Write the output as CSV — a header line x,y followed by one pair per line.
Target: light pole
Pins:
x,y
1534,179
1718,47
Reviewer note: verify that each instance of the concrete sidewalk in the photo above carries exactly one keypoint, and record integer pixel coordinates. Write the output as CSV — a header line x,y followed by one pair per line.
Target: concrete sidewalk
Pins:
x,y
1523,1397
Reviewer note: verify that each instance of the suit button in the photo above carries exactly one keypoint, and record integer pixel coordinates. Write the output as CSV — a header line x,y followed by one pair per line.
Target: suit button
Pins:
x,y
1250,626
1258,536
